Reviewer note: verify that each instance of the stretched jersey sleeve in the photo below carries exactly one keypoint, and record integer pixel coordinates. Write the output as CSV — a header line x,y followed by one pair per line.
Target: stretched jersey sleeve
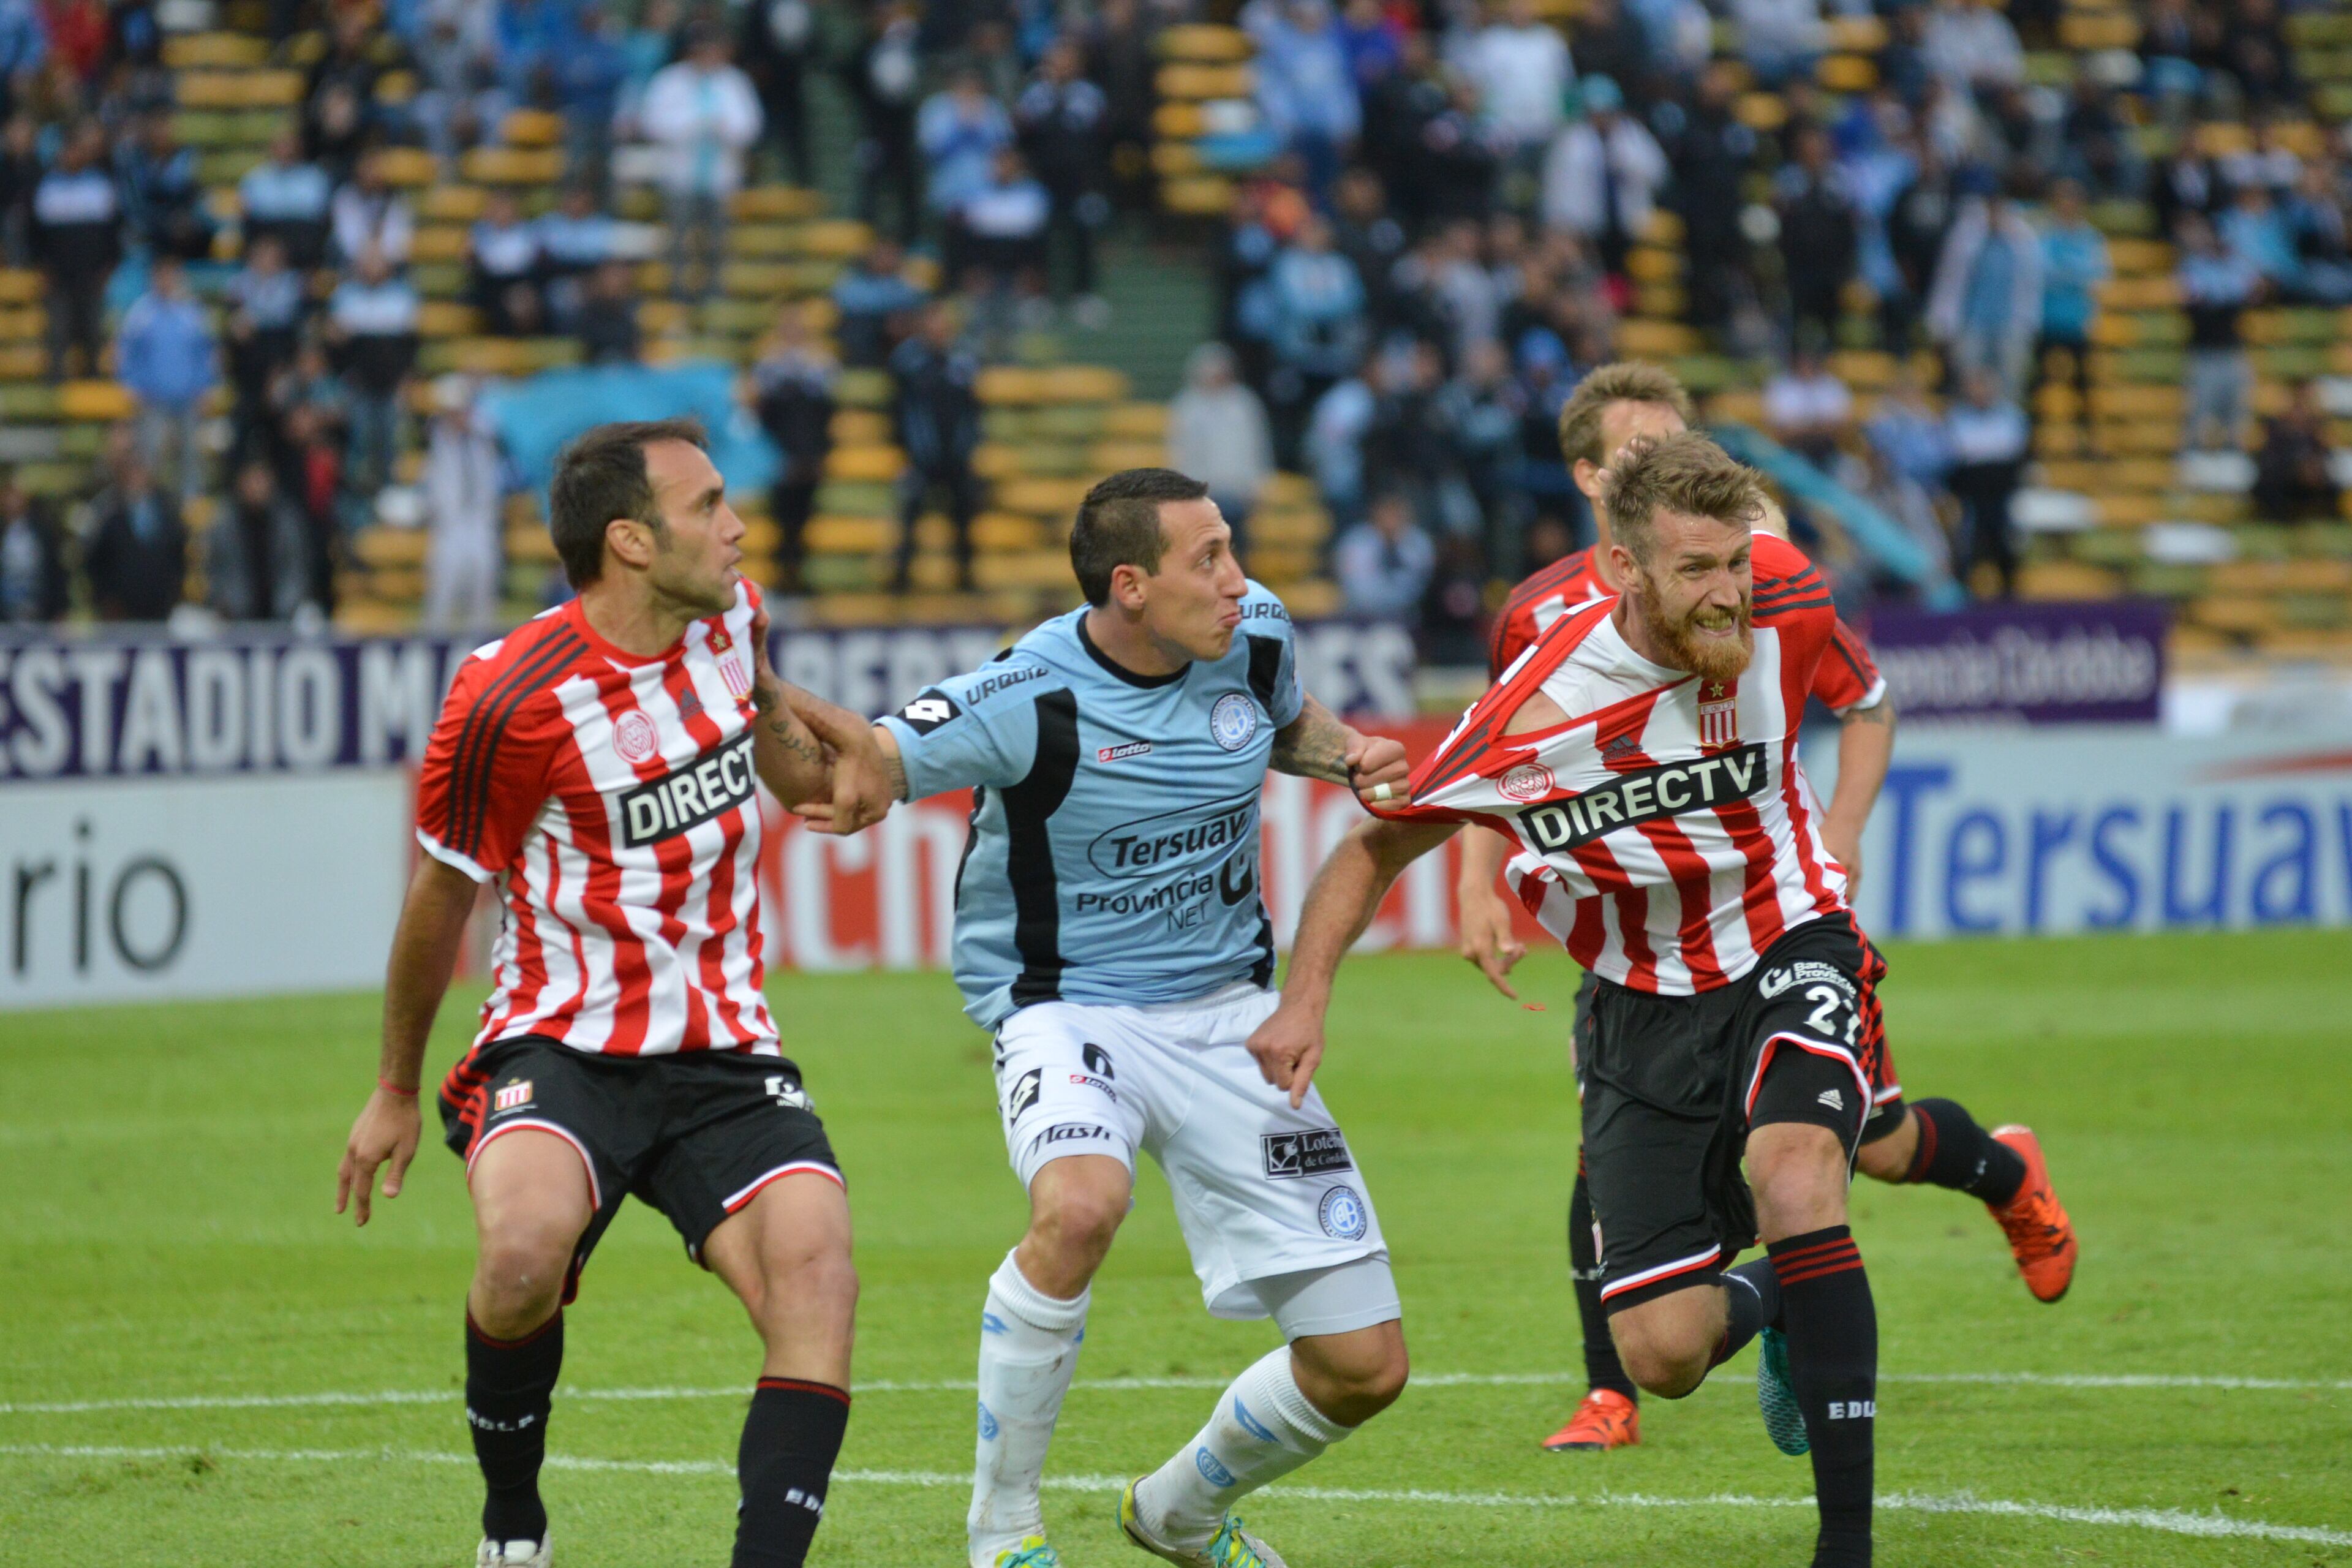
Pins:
x,y
974,728
485,774
1848,677
1273,654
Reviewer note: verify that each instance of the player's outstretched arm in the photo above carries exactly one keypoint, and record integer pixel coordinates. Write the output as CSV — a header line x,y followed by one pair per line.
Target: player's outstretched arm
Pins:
x,y
862,788
1347,891
1865,747
1315,745
424,954
1487,939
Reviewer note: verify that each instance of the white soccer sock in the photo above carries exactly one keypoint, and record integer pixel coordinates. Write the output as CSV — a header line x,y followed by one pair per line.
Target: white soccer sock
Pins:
x,y
1028,1353
1262,1430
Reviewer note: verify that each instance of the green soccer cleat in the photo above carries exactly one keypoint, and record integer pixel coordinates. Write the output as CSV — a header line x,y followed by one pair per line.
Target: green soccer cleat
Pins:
x,y
1032,1552
1776,1396
1231,1547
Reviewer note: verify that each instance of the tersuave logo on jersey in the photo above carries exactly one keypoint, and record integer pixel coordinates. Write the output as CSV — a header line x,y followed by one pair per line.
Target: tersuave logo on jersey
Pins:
x,y
1667,790
663,807
1157,842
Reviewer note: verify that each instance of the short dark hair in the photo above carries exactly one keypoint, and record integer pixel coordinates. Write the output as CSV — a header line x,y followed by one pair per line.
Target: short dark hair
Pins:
x,y
601,475
1118,525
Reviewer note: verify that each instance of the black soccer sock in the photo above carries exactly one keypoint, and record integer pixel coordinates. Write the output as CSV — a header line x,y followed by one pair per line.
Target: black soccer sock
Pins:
x,y
507,1387
1832,1328
1601,1367
1751,1299
790,1441
1955,1152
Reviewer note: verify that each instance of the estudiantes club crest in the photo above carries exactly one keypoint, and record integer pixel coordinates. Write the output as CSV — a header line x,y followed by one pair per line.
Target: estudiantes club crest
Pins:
x,y
633,737
1528,781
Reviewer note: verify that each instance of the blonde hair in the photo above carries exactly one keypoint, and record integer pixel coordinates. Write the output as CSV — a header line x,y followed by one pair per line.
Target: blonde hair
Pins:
x,y
1685,472
1624,381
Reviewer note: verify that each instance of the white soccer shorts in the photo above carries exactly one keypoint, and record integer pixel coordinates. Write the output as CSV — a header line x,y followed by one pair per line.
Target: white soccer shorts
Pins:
x,y
1262,1191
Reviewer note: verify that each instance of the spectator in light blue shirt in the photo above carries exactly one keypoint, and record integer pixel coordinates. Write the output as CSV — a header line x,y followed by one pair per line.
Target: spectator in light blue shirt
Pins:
x,y
167,356
961,131
2073,264
289,198
873,298
1306,84
2252,227
1384,563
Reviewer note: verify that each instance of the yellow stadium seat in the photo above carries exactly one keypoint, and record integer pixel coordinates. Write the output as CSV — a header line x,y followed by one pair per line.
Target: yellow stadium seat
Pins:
x,y
1213,45
95,400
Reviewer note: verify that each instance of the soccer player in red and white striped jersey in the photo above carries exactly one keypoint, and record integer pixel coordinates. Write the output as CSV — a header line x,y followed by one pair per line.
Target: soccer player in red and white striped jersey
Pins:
x,y
1641,754
1929,1141
603,761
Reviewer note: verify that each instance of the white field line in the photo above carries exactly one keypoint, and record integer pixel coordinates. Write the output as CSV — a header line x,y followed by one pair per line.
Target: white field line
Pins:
x,y
450,1396
2173,1522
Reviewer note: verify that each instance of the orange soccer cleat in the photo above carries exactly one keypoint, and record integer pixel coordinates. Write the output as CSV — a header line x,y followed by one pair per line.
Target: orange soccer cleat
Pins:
x,y
2041,1237
1606,1419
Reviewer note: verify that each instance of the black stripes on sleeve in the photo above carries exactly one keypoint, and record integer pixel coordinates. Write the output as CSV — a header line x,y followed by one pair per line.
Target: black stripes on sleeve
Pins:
x,y
1265,670
475,763
1029,805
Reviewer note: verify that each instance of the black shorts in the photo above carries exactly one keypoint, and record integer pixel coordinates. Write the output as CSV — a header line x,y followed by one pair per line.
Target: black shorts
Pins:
x,y
1886,1107
697,1134
1672,1086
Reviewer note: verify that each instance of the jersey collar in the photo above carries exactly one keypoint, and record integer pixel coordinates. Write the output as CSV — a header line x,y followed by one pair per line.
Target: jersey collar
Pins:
x,y
1086,641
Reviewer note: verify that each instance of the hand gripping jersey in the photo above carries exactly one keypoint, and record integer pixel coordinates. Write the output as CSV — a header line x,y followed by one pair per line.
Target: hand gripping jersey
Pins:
x,y
1668,833
1848,678
1113,842
617,796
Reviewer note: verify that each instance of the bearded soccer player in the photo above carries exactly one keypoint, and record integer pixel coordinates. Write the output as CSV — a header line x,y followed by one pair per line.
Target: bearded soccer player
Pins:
x,y
1931,1141
601,759
1642,756
1110,932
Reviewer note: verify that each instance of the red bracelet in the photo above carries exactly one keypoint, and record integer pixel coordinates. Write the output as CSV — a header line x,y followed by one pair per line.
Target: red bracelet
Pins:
x,y
389,1087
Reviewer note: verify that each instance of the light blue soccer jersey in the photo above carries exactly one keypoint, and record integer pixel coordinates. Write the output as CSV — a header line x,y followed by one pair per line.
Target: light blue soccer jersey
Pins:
x,y
1114,847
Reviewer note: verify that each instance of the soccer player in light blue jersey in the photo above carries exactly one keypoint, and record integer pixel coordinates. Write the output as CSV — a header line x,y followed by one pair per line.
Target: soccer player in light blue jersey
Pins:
x,y
1110,931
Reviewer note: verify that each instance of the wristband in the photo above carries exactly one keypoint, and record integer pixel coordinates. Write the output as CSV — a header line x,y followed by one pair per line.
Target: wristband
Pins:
x,y
391,1088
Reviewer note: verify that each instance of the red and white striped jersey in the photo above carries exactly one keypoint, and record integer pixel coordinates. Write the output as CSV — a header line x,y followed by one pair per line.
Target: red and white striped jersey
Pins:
x,y
1848,677
617,796
1668,835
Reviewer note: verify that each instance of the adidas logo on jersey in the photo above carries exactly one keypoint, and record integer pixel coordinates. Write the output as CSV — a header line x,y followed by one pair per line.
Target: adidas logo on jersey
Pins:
x,y
1832,1099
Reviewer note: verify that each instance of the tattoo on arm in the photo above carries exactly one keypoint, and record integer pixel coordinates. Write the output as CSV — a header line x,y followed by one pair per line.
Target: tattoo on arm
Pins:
x,y
1879,713
787,733
895,766
1314,745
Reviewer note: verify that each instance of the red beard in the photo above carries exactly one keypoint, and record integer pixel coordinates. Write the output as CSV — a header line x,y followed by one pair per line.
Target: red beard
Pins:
x,y
1712,658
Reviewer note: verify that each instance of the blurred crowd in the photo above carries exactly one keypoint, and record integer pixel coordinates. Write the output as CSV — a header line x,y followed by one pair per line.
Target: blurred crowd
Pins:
x,y
1447,235
1438,227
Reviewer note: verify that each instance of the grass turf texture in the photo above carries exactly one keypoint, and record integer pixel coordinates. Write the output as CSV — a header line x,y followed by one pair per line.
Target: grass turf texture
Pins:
x,y
169,1171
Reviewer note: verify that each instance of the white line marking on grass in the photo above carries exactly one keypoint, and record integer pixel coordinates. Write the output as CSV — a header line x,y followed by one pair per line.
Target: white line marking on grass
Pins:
x,y
2172,1522
1130,1385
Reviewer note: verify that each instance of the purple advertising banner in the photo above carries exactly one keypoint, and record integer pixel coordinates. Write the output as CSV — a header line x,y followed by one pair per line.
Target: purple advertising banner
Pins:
x,y
2060,662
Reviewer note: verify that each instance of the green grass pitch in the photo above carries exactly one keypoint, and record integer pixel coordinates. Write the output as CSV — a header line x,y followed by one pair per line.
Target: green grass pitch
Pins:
x,y
166,1235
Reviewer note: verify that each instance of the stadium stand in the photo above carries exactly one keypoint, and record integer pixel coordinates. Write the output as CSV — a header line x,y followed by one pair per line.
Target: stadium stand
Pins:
x,y
1460,239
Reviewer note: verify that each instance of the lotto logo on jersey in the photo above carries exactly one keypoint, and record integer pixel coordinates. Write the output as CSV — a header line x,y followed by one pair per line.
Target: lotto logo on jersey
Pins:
x,y
689,797
929,711
1632,798
1719,714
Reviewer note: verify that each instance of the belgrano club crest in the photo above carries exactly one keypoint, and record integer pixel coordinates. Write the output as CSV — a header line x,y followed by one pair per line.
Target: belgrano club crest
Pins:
x,y
1718,713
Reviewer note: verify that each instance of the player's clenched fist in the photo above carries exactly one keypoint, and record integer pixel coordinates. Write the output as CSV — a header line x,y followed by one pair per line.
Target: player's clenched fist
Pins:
x,y
1378,769
1289,1048
387,1130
